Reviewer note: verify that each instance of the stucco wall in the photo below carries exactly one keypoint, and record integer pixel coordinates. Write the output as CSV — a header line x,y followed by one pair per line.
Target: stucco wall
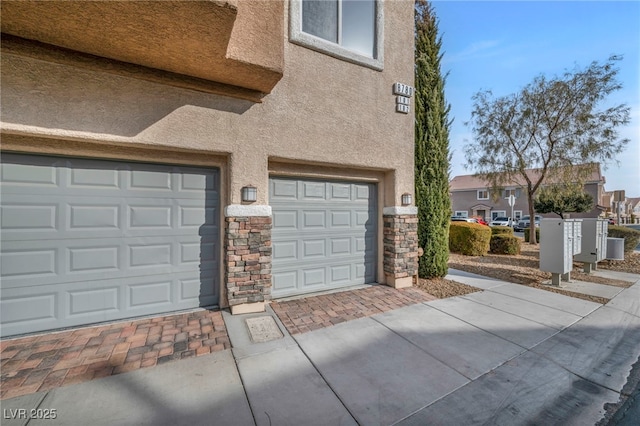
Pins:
x,y
324,111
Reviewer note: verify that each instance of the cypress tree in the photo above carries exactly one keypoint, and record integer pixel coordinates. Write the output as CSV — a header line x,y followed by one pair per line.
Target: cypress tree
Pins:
x,y
431,145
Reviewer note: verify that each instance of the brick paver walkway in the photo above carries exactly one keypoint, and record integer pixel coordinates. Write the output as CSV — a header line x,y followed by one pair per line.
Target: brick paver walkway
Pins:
x,y
39,363
314,312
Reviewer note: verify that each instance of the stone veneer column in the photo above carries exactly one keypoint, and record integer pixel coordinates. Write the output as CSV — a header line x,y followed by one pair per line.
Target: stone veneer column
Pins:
x,y
400,245
247,246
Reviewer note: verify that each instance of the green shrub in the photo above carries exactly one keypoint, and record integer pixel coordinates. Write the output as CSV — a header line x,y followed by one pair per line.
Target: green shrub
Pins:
x,y
504,244
631,236
470,239
526,235
499,230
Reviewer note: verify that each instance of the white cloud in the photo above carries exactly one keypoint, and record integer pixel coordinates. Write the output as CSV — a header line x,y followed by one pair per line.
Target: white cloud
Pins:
x,y
481,48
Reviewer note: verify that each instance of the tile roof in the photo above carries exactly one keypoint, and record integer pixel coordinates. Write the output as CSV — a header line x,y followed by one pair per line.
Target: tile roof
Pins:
x,y
468,182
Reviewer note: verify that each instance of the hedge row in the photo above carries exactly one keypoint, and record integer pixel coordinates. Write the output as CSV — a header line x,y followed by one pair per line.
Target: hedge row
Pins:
x,y
471,239
498,230
504,244
526,235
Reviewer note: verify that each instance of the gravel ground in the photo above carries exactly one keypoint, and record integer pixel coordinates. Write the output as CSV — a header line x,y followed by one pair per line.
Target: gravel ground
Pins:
x,y
524,269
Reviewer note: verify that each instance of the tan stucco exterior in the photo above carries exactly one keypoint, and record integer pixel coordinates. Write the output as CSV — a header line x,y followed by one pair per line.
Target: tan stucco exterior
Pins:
x,y
235,42
324,117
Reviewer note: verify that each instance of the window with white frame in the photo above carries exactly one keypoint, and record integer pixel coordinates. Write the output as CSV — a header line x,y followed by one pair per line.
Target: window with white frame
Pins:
x,y
462,213
347,29
483,194
498,213
507,192
517,214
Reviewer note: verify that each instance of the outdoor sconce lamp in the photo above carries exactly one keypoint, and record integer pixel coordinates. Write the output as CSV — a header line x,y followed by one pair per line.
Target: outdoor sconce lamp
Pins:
x,y
249,194
406,199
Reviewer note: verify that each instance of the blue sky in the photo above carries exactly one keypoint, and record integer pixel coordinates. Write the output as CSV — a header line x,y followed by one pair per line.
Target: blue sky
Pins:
x,y
502,45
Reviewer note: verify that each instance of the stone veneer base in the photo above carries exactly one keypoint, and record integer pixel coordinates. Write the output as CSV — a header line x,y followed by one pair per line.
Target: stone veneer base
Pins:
x,y
403,282
248,308
248,262
400,247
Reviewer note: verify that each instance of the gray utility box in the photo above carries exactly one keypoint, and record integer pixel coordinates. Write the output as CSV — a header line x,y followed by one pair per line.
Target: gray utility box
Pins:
x,y
556,247
594,242
615,248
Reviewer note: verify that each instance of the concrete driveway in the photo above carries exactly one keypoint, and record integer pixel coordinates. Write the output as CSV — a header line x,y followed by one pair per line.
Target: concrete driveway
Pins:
x,y
507,355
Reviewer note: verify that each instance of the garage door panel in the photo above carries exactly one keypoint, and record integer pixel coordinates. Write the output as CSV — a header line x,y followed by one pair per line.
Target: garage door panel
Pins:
x,y
197,183
340,247
94,178
28,310
285,250
90,240
195,216
340,192
140,216
143,255
90,178
313,219
313,276
29,264
149,180
314,191
340,273
362,192
79,303
314,248
149,294
283,189
361,218
285,219
20,217
92,301
34,217
324,234
39,171
285,281
98,216
35,263
95,259
201,253
340,219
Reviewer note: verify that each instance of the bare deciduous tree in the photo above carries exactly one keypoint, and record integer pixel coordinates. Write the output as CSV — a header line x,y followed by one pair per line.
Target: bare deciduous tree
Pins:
x,y
552,124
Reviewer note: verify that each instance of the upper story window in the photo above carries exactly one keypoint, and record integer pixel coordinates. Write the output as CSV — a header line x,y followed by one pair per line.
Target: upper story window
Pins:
x,y
346,29
508,192
483,194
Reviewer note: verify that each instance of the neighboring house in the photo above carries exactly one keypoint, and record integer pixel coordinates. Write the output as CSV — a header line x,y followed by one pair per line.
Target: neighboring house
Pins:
x,y
471,196
634,214
160,156
629,210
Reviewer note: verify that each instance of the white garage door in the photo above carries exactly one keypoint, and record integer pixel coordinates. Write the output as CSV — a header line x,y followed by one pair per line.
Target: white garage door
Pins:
x,y
85,241
324,235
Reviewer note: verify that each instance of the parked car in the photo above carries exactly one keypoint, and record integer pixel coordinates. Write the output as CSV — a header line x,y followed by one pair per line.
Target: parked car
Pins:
x,y
480,220
463,219
502,221
612,221
525,221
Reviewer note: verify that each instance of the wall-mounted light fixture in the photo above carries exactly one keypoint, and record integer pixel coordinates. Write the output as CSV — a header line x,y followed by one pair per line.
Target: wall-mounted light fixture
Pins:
x,y
406,199
249,194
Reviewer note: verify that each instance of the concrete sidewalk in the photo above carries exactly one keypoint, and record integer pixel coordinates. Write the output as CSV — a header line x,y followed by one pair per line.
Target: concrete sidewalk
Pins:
x,y
507,355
